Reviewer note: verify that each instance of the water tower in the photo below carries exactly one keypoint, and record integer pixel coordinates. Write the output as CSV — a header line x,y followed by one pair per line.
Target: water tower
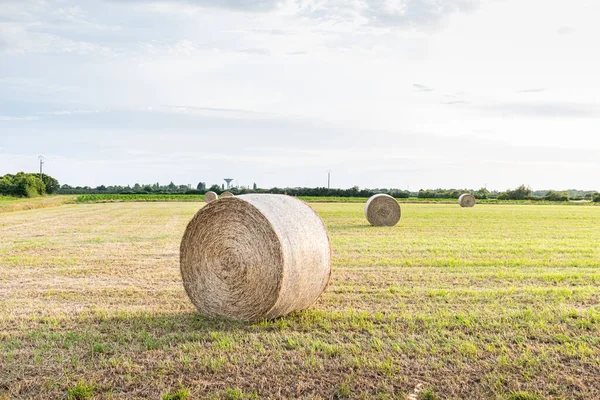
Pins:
x,y
228,180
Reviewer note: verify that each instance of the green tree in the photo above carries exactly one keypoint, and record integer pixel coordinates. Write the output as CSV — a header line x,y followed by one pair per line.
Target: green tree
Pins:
x,y
7,186
28,185
215,188
51,184
521,193
482,193
553,195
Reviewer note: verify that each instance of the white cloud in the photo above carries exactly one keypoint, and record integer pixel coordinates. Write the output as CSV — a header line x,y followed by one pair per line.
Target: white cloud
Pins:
x,y
565,30
11,118
68,112
18,39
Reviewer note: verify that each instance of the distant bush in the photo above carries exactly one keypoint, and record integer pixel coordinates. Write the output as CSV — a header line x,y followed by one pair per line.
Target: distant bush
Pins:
x,y
596,198
323,191
521,193
52,185
440,193
27,185
482,193
552,195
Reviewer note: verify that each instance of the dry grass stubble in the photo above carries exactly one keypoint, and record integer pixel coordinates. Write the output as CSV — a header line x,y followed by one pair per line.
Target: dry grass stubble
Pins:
x,y
500,302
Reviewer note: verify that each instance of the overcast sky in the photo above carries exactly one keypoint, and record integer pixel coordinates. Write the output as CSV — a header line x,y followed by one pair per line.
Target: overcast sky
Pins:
x,y
382,93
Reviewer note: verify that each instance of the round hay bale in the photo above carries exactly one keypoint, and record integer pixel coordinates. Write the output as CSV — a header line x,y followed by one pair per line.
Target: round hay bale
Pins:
x,y
226,194
466,200
210,196
382,210
273,257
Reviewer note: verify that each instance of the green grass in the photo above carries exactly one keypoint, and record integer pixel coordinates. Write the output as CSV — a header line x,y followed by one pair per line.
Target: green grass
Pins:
x,y
108,198
333,199
81,391
10,204
498,301
111,198
181,394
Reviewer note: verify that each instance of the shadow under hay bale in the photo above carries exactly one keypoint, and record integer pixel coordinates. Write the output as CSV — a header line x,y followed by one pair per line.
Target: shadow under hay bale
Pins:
x,y
210,196
382,210
255,256
466,200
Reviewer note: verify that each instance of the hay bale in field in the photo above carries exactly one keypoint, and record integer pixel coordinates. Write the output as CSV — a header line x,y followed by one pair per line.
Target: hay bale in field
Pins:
x,y
210,196
274,257
226,194
382,210
466,200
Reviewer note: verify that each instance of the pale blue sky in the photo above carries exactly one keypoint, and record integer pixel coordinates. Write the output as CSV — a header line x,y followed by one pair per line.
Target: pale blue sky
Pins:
x,y
387,93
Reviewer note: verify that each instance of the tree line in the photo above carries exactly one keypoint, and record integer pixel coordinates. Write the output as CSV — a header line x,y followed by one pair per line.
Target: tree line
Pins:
x,y
520,193
155,188
27,185
202,188
30,185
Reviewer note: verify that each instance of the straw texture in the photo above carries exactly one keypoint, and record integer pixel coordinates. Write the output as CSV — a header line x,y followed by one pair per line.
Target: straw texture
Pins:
x,y
382,210
226,194
255,256
210,196
466,200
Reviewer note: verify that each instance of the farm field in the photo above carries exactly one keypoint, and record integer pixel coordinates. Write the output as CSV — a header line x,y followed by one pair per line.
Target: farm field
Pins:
x,y
497,301
8,204
109,198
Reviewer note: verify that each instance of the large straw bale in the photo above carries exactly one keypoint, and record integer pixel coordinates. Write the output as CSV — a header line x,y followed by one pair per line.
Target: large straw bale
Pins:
x,y
255,256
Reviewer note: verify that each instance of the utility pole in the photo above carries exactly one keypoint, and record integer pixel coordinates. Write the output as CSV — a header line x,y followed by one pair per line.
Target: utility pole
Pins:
x,y
328,179
42,159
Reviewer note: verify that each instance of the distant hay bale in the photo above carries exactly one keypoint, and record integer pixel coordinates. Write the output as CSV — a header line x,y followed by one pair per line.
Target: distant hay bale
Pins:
x,y
210,196
382,210
466,200
255,256
226,194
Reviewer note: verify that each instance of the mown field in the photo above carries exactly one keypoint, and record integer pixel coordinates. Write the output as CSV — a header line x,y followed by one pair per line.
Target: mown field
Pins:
x,y
498,301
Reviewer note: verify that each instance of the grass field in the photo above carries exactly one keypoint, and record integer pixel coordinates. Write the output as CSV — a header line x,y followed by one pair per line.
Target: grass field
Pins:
x,y
111,198
9,204
498,301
